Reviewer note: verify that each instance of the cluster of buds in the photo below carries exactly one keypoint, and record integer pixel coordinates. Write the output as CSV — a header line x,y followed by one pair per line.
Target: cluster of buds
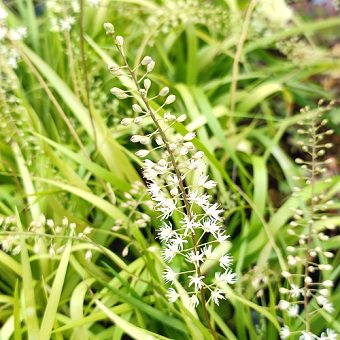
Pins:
x,y
41,232
198,236
309,268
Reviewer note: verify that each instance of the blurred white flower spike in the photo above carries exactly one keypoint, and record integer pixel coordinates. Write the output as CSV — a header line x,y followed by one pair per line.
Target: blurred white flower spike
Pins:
x,y
200,222
307,260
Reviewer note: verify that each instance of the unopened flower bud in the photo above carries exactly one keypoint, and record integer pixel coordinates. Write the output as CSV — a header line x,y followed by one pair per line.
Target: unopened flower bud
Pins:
x,y
169,117
126,121
164,91
119,93
183,151
150,66
327,283
308,280
146,60
119,40
159,140
283,304
170,99
109,28
88,255
142,153
138,120
144,140
135,138
136,108
125,251
147,84
189,136
181,118
198,155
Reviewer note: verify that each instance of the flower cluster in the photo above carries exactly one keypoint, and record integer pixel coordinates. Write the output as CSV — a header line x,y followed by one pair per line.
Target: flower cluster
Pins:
x,y
308,279
190,225
270,16
62,15
8,55
173,14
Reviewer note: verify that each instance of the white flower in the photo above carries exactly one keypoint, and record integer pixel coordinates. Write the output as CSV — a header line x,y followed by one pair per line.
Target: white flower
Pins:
x,y
194,257
329,335
203,182
207,251
295,291
193,301
324,292
172,295
178,242
197,281
328,307
293,310
189,225
166,232
210,226
221,237
200,199
166,207
169,253
321,300
307,336
66,24
216,296
18,34
212,211
227,277
284,332
225,261
169,275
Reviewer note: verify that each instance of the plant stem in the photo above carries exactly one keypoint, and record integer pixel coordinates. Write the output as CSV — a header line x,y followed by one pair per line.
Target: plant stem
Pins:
x,y
237,57
180,182
85,73
310,226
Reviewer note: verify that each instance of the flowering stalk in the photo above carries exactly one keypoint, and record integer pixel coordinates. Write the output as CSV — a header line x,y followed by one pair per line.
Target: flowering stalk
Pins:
x,y
200,230
309,254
